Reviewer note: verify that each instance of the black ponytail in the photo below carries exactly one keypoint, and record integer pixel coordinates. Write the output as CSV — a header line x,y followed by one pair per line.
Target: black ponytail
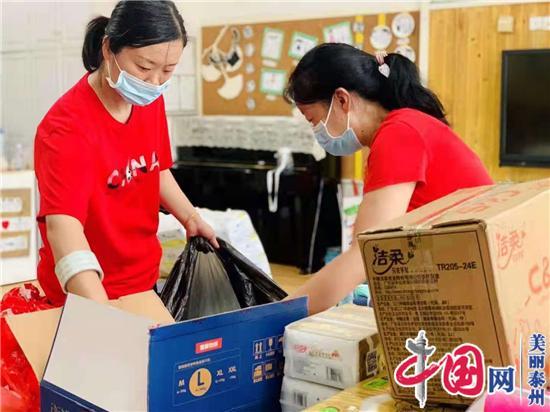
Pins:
x,y
332,65
91,51
404,89
132,24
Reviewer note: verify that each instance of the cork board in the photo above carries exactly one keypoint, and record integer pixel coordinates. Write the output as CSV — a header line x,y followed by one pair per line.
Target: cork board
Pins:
x,y
241,85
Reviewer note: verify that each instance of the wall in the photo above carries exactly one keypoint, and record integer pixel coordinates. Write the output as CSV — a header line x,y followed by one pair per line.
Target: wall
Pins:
x,y
199,14
205,13
40,59
465,69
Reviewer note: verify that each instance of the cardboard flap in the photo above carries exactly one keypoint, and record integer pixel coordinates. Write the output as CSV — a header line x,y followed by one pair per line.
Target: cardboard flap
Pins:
x,y
423,217
146,304
466,206
100,354
35,333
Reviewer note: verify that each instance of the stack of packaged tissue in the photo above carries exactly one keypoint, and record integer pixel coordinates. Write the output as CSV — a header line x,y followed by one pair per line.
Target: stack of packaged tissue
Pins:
x,y
329,352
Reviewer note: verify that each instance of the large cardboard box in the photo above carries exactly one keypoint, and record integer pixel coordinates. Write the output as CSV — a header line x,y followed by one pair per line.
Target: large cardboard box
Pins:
x,y
332,350
471,267
35,332
104,358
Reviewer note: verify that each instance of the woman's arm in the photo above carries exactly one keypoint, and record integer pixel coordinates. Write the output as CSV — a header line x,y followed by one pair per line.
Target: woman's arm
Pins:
x,y
333,282
174,201
65,236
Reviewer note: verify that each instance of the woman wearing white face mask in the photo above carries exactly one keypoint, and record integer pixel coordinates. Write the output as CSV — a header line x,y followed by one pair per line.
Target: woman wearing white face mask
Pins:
x,y
102,159
357,100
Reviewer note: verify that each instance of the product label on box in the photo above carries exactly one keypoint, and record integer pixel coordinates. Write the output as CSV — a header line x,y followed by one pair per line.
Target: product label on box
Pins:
x,y
319,372
267,354
434,282
267,348
206,376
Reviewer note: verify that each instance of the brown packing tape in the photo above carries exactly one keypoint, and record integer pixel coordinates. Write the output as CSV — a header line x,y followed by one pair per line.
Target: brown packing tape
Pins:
x,y
35,332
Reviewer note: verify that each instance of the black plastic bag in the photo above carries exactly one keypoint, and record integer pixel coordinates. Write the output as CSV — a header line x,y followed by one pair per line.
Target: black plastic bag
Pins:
x,y
206,281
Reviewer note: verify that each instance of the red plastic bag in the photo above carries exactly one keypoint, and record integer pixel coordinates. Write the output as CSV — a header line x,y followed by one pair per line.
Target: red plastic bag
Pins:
x,y
23,299
18,384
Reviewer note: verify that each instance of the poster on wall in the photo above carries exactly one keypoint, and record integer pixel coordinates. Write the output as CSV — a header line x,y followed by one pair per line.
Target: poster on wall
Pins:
x,y
406,51
272,81
338,33
300,44
15,244
15,202
380,37
403,25
246,61
272,43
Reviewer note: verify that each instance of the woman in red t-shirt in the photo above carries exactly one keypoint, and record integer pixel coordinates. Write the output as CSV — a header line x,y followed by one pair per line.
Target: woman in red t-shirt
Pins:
x,y
356,100
102,159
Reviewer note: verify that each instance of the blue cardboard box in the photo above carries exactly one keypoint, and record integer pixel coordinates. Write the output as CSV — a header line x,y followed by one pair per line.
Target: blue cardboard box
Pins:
x,y
103,358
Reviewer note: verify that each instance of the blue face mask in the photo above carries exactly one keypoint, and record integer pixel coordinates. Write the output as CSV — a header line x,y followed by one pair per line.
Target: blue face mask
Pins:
x,y
343,145
134,90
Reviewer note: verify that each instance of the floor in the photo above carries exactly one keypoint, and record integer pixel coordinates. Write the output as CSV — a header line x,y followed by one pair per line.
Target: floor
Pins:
x,y
287,277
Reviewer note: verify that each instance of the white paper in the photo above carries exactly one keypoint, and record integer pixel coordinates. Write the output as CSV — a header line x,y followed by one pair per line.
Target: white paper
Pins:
x,y
301,44
338,33
381,37
272,81
272,44
535,23
14,244
16,224
403,25
232,87
406,51
11,205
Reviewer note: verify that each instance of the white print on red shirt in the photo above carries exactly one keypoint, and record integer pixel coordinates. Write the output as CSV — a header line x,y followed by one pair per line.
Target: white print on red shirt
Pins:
x,y
120,178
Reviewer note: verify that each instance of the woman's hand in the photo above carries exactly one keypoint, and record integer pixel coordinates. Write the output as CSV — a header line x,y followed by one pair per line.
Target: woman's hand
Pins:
x,y
195,226
175,202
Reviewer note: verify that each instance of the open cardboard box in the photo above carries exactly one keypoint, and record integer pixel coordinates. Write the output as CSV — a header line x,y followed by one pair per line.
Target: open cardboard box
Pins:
x,y
131,356
472,267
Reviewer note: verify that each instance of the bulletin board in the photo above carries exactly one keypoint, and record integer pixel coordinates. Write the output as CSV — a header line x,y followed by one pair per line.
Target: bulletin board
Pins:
x,y
245,67
16,222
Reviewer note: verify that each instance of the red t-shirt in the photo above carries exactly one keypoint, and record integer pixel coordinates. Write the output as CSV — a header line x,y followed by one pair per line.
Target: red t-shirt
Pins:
x,y
411,146
105,174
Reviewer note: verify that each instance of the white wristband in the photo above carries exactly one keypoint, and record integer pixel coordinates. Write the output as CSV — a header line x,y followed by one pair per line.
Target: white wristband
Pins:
x,y
75,263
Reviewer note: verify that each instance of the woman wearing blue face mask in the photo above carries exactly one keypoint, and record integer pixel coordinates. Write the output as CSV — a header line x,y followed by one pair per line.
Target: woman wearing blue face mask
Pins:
x,y
355,100
102,159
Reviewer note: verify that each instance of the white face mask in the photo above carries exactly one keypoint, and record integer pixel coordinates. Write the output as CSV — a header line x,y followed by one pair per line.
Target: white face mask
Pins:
x,y
343,145
134,90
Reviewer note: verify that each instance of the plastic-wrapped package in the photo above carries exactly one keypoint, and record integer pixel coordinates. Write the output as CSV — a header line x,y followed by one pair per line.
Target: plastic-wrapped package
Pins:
x,y
296,395
336,348
205,281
